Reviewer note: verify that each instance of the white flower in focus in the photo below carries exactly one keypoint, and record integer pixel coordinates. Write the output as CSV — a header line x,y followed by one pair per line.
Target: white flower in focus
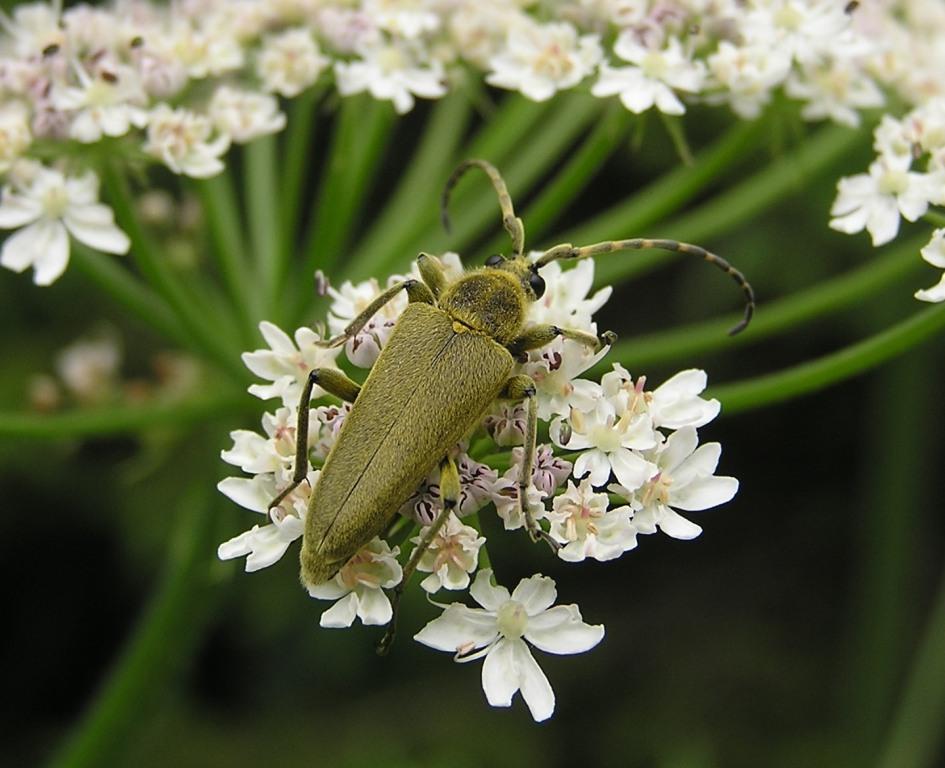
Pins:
x,y
541,59
391,71
673,404
875,200
498,631
49,207
359,587
15,136
583,524
451,557
245,115
290,62
105,105
653,80
565,302
684,479
505,422
506,501
554,368
286,365
349,301
934,254
477,483
181,139
275,452
324,427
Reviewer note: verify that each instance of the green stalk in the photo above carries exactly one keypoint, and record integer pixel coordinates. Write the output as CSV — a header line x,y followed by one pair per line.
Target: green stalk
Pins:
x,y
295,165
161,640
917,731
126,290
184,303
121,419
262,201
412,206
572,179
777,317
781,177
830,369
226,235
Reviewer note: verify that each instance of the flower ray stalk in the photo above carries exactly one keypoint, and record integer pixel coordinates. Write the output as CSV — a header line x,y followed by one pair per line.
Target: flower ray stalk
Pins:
x,y
295,160
263,201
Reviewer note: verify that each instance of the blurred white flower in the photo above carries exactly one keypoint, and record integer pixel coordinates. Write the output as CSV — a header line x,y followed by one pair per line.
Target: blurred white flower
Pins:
x,y
48,207
245,115
358,588
105,105
934,254
181,139
15,136
498,631
290,62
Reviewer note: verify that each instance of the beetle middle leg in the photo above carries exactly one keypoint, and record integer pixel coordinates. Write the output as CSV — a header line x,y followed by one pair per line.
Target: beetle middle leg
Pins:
x,y
539,335
449,498
334,382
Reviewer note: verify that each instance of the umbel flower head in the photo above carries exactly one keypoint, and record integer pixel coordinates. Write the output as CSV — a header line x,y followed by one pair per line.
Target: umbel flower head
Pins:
x,y
621,436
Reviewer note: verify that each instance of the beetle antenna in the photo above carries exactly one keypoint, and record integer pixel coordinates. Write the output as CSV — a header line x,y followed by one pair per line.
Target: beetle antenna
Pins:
x,y
567,251
513,225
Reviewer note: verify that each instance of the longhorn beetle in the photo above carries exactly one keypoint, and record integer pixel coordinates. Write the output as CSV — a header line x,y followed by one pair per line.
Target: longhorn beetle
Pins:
x,y
450,355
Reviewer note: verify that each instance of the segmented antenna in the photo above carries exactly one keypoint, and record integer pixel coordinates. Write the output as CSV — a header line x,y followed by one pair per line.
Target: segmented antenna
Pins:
x,y
513,225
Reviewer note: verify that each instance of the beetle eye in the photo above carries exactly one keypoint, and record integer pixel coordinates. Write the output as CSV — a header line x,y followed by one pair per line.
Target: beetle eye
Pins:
x,y
494,260
537,284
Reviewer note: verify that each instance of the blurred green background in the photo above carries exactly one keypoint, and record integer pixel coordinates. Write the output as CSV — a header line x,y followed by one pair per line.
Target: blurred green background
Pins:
x,y
804,627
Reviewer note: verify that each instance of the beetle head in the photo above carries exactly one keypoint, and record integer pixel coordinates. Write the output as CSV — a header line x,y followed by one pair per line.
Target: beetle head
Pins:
x,y
525,271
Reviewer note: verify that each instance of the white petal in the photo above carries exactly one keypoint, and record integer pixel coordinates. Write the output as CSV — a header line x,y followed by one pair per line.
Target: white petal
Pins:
x,y
704,492
701,463
561,630
342,613
52,261
247,492
631,469
678,447
499,673
459,628
277,339
536,690
93,226
537,593
373,606
262,545
676,525
488,596
934,294
18,211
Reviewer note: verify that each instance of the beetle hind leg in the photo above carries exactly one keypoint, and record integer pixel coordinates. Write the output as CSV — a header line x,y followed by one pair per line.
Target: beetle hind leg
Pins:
x,y
449,497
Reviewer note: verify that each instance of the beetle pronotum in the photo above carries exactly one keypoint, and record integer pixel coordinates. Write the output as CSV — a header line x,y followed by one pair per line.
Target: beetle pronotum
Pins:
x,y
450,355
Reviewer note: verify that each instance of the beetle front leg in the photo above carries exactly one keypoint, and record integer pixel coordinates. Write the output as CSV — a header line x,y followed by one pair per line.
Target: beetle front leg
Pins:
x,y
539,335
416,291
334,382
522,387
449,497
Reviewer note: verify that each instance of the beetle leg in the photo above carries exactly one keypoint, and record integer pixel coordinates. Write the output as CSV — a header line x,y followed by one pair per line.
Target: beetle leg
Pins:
x,y
334,382
522,387
539,335
416,291
512,223
431,270
449,498
568,251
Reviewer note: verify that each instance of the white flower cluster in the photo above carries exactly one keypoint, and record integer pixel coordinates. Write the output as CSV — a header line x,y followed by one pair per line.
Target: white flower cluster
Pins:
x,y
637,444
907,176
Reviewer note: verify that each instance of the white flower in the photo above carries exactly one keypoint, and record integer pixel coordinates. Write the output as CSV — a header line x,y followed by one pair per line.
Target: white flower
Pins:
x,y
106,105
262,545
15,136
673,404
498,632
50,206
554,368
581,521
203,50
290,62
684,479
748,74
181,139
836,91
245,115
564,302
477,484
541,59
506,501
359,587
875,200
286,365
405,18
451,557
657,74
391,71
934,254
89,368
256,454
350,300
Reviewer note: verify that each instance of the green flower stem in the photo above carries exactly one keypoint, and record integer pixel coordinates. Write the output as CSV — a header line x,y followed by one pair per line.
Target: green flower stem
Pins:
x,y
784,176
572,179
780,316
261,196
919,724
184,303
122,419
164,637
672,190
412,207
226,234
935,218
572,115
295,164
362,128
124,288
818,374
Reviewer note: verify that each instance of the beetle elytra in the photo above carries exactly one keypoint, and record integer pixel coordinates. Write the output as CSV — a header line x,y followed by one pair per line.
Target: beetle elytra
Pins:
x,y
450,355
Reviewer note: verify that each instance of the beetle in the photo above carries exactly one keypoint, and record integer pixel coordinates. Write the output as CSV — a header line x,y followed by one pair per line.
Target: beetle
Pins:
x,y
450,356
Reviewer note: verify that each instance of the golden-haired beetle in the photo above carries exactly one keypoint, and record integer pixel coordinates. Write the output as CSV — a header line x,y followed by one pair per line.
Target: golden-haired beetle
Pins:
x,y
450,355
